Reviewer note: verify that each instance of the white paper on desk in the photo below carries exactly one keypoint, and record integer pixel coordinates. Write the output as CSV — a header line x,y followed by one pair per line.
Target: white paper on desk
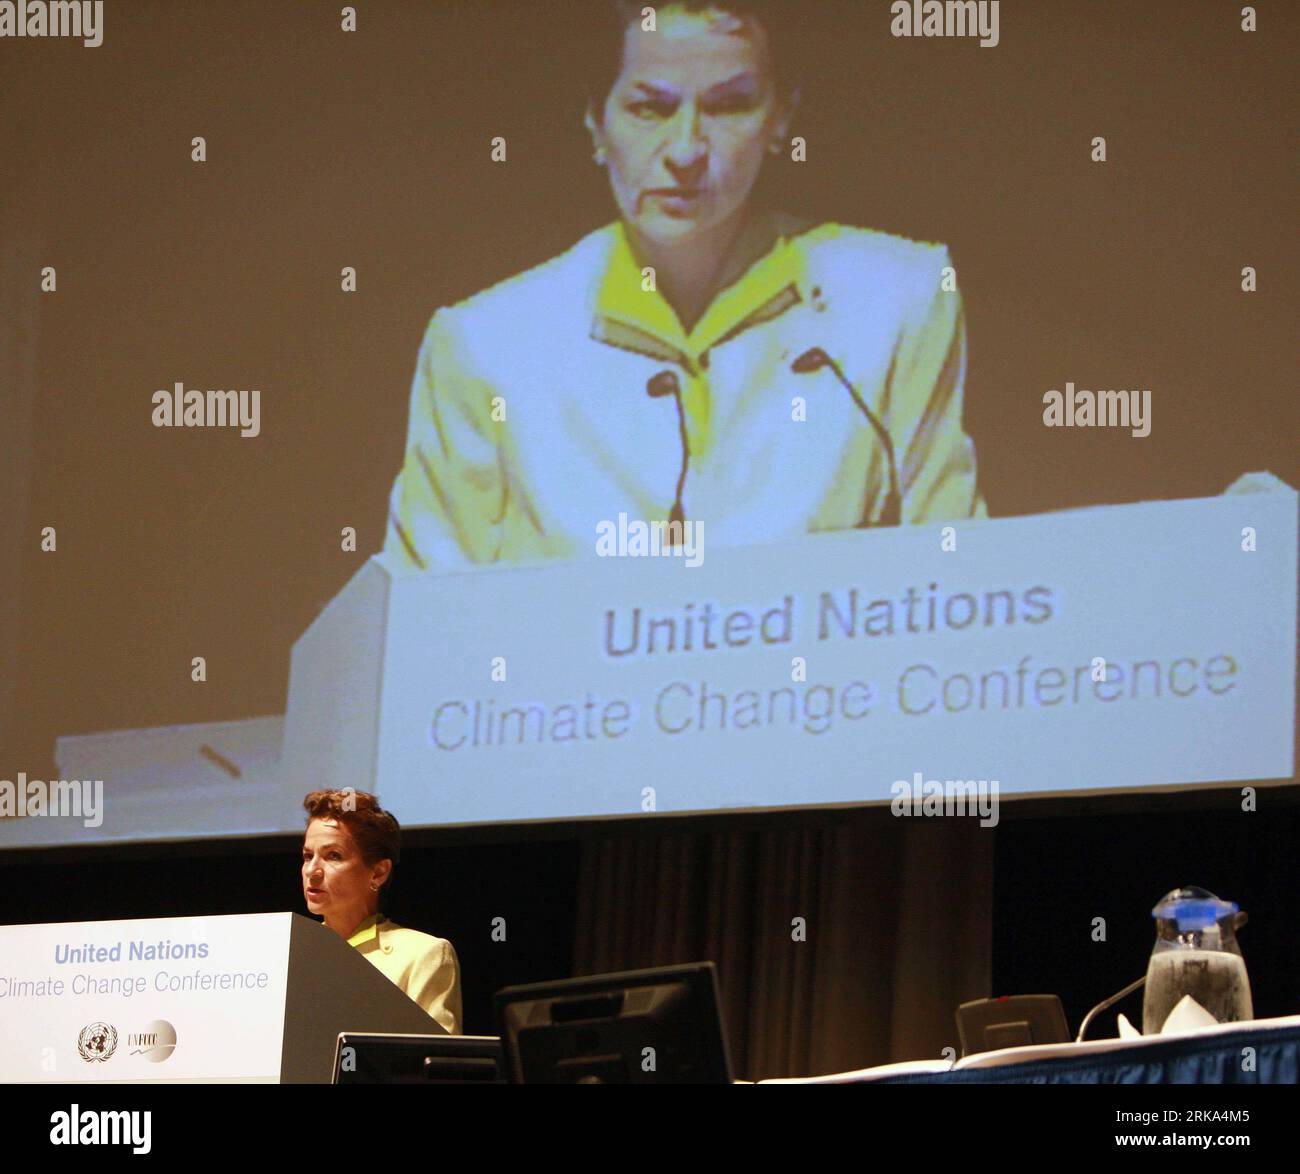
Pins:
x,y
1126,1029
863,1075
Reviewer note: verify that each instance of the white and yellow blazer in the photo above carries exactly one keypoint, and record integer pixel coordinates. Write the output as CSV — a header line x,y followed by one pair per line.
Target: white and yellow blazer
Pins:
x,y
530,422
425,967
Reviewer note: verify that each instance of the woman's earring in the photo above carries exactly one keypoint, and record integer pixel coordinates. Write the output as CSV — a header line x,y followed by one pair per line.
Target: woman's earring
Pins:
x,y
374,888
775,148
599,156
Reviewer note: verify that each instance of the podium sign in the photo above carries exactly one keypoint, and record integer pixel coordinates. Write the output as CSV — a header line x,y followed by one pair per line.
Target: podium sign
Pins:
x,y
1116,647
257,998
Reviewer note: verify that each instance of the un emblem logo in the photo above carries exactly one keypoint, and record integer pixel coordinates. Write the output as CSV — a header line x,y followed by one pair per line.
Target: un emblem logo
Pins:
x,y
97,1042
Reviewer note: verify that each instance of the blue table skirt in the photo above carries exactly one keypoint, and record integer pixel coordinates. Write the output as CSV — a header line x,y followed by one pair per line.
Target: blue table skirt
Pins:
x,y
1216,1059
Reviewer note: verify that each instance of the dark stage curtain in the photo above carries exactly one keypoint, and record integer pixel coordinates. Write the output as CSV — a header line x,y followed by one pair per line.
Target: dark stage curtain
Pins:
x,y
897,917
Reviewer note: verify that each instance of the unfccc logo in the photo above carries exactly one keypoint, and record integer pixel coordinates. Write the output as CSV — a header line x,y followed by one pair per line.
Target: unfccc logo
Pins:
x,y
155,1043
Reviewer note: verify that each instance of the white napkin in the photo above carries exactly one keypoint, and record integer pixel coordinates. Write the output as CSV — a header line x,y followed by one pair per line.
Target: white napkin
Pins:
x,y
1187,1015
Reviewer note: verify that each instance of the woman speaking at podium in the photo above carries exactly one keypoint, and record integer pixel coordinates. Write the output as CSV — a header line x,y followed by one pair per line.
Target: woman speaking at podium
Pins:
x,y
701,358
348,856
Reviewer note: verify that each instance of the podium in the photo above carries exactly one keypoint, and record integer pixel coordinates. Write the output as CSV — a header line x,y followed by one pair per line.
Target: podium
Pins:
x,y
1122,647
1114,647
255,998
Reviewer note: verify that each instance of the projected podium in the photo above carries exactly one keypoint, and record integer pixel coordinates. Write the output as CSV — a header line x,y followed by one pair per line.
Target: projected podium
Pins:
x,y
255,998
1107,648
1113,647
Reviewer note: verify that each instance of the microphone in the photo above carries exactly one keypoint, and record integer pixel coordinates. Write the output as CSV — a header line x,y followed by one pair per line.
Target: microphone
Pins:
x,y
666,383
813,360
1100,1007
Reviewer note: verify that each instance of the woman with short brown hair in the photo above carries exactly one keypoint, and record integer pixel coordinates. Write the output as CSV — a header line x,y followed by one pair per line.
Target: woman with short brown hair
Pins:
x,y
348,855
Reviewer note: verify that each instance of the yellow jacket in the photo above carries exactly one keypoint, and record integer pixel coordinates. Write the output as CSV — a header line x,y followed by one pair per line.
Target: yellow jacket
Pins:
x,y
530,422
425,967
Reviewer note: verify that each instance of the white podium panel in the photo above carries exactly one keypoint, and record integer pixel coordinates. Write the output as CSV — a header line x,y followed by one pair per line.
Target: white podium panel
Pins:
x,y
260,998
1115,647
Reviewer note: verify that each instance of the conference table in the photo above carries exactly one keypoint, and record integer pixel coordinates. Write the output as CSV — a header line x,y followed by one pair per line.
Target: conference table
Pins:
x,y
1264,1051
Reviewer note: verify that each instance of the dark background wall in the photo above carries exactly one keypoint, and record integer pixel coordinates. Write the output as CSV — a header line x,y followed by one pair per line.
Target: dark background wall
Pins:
x,y
371,150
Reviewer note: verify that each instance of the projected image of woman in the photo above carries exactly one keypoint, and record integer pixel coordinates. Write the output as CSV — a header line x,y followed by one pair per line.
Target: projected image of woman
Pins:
x,y
702,357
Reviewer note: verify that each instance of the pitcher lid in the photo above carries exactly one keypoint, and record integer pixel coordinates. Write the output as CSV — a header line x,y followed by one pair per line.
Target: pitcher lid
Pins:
x,y
1192,908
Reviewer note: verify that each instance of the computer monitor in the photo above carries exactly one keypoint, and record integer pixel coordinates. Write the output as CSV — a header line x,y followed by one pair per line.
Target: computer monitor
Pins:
x,y
660,1026
362,1057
